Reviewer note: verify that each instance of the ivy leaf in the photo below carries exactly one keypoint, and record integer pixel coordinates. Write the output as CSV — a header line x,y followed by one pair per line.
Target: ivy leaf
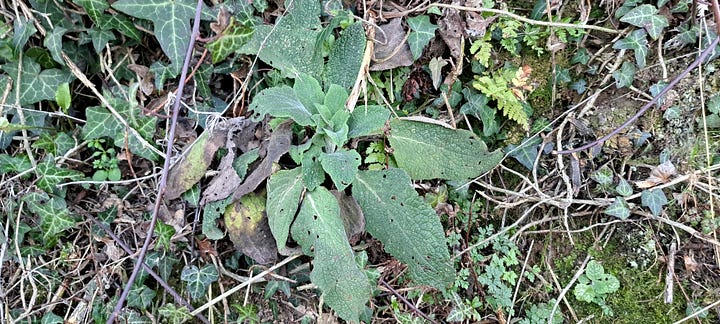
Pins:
x,y
341,166
141,296
654,199
430,151
422,32
34,85
637,42
53,213
23,29
318,226
645,16
526,153
477,104
625,75
100,38
619,209
283,196
171,23
14,164
407,226
581,56
623,188
232,39
281,102
198,280
713,105
211,213
49,176
53,42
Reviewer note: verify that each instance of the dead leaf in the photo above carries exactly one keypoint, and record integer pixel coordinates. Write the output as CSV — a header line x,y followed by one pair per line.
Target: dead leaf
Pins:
x,y
391,47
206,249
451,27
186,173
521,83
276,146
418,82
476,24
240,131
659,175
248,228
436,64
690,264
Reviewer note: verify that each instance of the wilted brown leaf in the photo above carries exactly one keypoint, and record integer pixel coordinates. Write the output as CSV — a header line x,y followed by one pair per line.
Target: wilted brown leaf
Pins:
x,y
247,226
659,175
391,47
186,173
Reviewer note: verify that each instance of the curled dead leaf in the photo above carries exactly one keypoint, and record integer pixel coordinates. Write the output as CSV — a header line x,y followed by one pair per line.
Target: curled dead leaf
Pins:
x,y
659,175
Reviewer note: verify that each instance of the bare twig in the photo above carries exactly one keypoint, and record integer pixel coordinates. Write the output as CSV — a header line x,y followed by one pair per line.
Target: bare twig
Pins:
x,y
166,166
670,275
406,302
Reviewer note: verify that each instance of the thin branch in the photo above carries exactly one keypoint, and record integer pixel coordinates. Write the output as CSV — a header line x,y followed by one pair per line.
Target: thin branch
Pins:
x,y
166,166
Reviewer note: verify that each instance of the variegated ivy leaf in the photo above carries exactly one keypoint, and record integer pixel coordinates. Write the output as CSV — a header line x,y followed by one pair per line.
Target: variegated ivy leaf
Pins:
x,y
645,16
654,199
141,297
422,32
96,11
49,176
198,280
619,209
625,75
171,23
35,85
637,42
232,39
53,213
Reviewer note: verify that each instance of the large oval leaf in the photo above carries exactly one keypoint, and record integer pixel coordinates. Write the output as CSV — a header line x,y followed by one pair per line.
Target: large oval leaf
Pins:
x,y
430,151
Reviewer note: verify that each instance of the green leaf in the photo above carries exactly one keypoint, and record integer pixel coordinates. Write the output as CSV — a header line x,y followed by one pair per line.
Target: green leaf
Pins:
x,y
603,177
477,104
654,199
211,212
53,42
53,213
23,29
164,233
584,292
174,314
283,196
309,92
645,16
171,23
141,297
346,57
232,39
367,120
713,105
345,288
14,163
623,188
290,46
100,38
637,42
625,75
581,56
62,96
408,227
281,102
198,280
49,176
594,270
34,85
51,318
422,32
526,153
341,166
430,151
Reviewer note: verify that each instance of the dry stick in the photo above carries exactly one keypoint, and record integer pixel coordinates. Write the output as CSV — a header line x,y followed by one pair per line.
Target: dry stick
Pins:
x,y
670,273
412,307
644,108
567,287
152,273
166,166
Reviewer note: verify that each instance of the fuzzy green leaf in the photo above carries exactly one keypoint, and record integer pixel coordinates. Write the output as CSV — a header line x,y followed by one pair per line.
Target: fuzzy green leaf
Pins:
x,y
341,166
290,46
344,286
281,102
346,57
231,40
171,23
367,120
198,280
645,16
35,85
422,32
654,199
637,42
408,227
584,292
283,196
430,151
625,75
